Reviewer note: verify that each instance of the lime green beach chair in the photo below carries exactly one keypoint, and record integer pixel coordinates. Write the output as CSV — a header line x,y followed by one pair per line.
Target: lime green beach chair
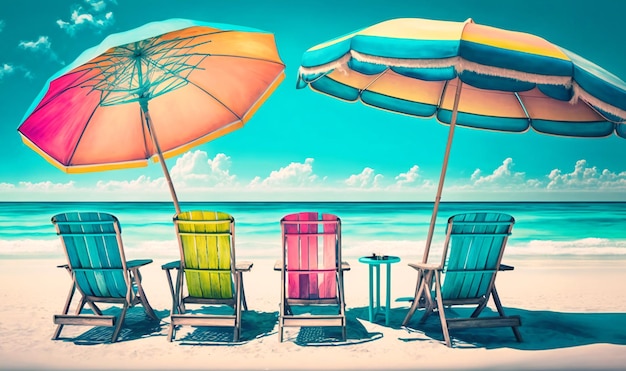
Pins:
x,y
466,275
311,276
92,242
207,273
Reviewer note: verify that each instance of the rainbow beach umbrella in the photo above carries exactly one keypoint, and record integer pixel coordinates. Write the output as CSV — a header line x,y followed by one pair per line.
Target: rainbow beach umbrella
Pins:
x,y
467,74
152,93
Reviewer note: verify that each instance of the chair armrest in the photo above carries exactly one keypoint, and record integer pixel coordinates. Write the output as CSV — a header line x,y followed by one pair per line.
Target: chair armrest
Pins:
x,y
171,265
425,266
137,263
344,265
67,268
504,267
243,266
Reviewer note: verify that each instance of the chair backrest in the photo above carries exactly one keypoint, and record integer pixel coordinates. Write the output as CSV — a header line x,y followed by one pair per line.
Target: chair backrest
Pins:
x,y
207,249
472,253
92,243
311,254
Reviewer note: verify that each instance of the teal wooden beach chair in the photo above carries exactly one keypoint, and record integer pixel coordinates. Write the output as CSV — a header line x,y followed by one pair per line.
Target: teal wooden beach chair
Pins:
x,y
466,274
311,276
92,242
207,273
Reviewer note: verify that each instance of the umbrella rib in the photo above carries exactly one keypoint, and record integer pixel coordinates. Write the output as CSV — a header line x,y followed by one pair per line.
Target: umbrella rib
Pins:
x,y
523,106
173,66
244,57
441,96
77,83
84,129
380,75
144,127
217,100
592,102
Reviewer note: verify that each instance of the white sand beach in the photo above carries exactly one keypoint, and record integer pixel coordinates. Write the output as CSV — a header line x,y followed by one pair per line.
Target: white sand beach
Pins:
x,y
573,317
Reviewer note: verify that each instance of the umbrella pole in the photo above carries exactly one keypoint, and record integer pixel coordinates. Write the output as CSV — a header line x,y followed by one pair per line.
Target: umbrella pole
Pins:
x,y
161,158
444,168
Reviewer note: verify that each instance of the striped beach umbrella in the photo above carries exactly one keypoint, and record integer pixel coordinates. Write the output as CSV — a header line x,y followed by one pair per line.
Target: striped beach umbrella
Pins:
x,y
468,74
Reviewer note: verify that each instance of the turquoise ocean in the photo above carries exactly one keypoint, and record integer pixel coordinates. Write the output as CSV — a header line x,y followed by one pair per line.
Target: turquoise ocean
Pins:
x,y
542,229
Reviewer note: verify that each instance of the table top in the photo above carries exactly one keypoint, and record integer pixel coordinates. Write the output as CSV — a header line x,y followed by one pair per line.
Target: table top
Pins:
x,y
379,259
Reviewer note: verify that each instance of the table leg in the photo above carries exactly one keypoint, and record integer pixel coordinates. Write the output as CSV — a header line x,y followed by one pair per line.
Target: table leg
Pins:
x,y
378,309
371,276
388,294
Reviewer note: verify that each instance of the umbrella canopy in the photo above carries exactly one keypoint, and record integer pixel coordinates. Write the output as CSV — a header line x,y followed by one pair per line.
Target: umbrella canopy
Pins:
x,y
152,93
463,73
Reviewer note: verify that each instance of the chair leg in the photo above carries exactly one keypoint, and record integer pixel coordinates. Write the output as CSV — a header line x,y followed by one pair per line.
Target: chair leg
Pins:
x,y
244,303
239,293
66,308
171,332
415,302
180,303
57,332
120,321
442,315
81,305
171,287
496,300
281,314
429,307
90,303
420,288
147,308
479,308
342,307
144,302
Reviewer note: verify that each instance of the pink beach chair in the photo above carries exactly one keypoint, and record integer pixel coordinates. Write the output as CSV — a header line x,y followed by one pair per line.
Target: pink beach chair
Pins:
x,y
311,276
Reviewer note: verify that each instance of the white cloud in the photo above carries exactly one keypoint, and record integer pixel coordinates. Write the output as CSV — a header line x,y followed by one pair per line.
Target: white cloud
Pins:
x,y
197,169
1,25
5,70
47,186
9,69
296,174
503,176
7,186
582,178
141,184
408,178
98,5
42,45
585,177
94,16
196,176
365,179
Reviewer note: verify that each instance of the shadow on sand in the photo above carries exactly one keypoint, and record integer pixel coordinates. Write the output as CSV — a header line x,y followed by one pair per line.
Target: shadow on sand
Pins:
x,y
356,333
541,330
254,325
137,325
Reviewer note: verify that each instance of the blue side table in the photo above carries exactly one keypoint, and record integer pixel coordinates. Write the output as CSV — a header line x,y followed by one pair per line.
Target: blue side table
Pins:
x,y
374,262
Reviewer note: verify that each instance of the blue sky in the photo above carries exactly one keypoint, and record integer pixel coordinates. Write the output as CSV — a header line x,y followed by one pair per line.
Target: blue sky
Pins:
x,y
302,145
